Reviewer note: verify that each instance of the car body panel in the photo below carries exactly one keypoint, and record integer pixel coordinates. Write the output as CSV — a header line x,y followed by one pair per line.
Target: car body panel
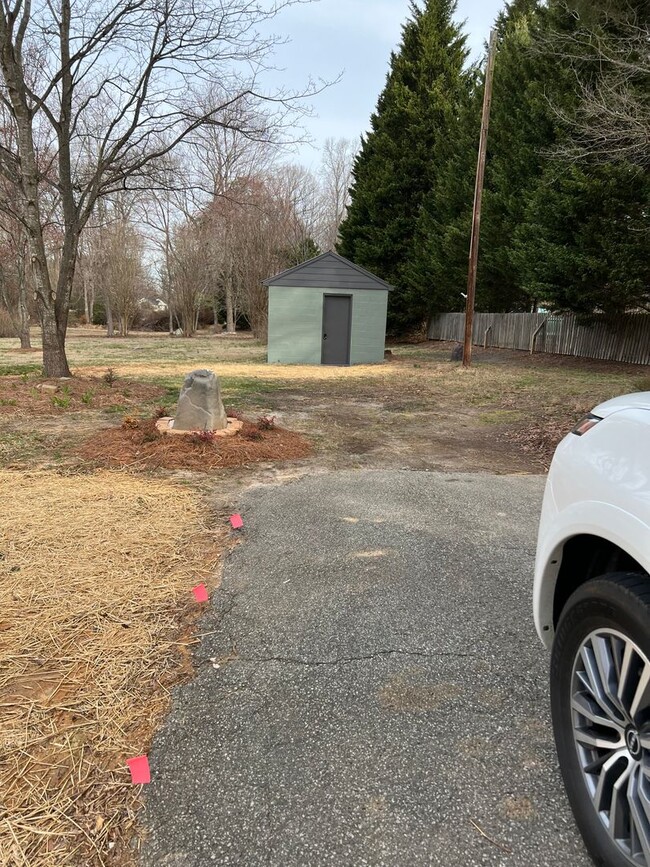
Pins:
x,y
637,400
598,484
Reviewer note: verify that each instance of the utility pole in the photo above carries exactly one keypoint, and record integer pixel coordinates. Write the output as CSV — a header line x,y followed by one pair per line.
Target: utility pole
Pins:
x,y
478,198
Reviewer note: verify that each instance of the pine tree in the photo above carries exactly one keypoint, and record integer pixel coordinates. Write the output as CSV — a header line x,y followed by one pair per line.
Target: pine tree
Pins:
x,y
437,269
520,128
394,169
584,245
521,131
584,242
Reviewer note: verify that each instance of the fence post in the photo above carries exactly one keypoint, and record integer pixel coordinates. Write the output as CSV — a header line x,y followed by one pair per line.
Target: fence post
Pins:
x,y
535,333
485,336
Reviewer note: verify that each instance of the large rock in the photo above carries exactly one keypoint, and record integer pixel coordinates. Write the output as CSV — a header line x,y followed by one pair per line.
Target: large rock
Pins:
x,y
457,352
199,404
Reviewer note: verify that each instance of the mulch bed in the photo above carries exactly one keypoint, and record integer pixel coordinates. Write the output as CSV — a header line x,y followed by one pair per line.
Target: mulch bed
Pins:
x,y
96,623
24,396
138,445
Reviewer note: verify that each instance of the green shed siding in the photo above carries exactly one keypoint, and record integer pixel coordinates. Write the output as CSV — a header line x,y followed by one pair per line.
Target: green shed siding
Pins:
x,y
296,318
368,326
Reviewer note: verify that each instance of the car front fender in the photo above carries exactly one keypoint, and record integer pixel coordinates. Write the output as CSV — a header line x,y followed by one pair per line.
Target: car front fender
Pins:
x,y
591,518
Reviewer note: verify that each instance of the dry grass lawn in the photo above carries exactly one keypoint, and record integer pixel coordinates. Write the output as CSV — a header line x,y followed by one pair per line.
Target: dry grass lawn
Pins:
x,y
418,410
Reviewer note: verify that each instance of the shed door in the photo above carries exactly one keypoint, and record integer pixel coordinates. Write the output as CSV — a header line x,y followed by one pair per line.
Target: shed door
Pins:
x,y
337,322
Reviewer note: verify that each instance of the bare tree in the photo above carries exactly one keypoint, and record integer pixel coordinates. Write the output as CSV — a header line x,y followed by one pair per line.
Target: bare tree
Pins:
x,y
225,159
273,219
336,178
125,275
296,199
189,274
609,52
100,92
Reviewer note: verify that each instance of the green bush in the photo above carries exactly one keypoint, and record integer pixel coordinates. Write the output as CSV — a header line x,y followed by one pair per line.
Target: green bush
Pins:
x,y
99,314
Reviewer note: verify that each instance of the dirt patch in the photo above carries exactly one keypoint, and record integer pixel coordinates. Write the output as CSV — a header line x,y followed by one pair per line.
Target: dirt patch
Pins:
x,y
22,396
96,617
140,446
398,694
517,807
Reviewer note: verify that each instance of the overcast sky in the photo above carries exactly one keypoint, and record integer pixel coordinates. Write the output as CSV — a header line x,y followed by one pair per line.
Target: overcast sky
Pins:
x,y
355,38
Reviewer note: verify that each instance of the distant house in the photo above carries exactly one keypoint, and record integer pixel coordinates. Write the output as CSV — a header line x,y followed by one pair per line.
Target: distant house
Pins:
x,y
327,311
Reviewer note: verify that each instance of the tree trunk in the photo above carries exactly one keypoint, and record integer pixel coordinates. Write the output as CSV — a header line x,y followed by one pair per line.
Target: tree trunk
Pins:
x,y
109,319
52,307
187,321
54,322
55,363
25,339
230,308
23,317
89,298
23,303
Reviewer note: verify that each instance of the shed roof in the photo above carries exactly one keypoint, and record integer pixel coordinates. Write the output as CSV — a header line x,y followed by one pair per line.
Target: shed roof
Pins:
x,y
328,271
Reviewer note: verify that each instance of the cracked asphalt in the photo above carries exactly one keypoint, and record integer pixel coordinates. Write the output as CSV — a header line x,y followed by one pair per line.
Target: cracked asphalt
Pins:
x,y
380,696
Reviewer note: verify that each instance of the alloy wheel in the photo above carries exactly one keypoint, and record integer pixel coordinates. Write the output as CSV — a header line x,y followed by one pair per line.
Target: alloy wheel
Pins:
x,y
610,702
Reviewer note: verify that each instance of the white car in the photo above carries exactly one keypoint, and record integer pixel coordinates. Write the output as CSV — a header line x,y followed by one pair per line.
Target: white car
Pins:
x,y
592,608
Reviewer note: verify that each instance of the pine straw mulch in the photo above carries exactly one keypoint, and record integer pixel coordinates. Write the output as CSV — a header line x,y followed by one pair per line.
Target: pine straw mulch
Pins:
x,y
96,618
138,445
24,396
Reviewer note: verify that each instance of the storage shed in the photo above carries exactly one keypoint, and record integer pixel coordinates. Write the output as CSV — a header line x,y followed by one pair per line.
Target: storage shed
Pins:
x,y
327,311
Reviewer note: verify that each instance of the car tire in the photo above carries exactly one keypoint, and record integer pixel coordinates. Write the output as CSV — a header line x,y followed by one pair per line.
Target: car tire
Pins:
x,y
600,652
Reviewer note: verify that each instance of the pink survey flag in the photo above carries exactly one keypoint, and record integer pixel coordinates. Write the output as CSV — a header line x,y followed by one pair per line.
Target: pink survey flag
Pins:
x,y
236,522
139,767
200,593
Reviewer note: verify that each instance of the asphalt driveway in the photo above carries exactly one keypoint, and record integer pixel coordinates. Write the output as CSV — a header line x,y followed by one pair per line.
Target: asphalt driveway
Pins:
x,y
379,696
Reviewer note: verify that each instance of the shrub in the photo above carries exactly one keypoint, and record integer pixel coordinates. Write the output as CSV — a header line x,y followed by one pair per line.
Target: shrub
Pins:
x,y
99,314
110,377
265,422
61,401
203,437
154,320
234,413
87,397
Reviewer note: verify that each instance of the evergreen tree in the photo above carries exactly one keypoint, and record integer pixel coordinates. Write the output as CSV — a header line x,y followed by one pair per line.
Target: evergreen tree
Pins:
x,y
583,244
395,169
521,131
437,269
520,127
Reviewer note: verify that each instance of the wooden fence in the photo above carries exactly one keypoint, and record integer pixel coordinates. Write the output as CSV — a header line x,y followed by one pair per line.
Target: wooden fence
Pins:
x,y
626,338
